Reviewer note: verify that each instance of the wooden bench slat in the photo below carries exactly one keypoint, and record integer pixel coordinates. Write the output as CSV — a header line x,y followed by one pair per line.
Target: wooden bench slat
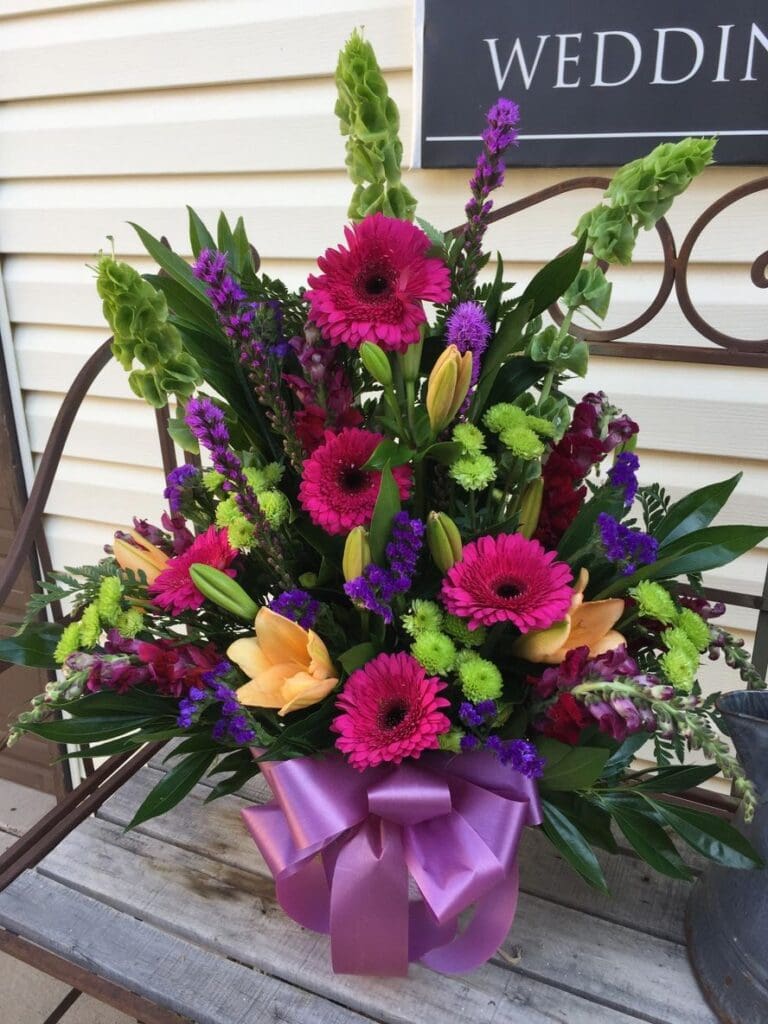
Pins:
x,y
151,962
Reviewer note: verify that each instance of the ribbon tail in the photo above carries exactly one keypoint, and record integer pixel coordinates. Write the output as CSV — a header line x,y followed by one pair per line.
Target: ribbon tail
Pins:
x,y
493,917
369,903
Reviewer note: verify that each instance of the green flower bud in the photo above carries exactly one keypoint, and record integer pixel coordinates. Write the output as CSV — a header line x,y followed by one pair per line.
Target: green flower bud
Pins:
x,y
240,530
69,642
266,478
376,363
469,437
473,473
451,741
444,540
458,630
435,651
424,617
530,508
212,480
679,668
695,628
223,591
130,623
90,626
480,679
109,599
411,359
357,553
275,506
654,602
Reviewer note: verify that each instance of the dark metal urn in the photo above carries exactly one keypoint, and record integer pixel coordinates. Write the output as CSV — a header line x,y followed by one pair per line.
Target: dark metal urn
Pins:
x,y
727,923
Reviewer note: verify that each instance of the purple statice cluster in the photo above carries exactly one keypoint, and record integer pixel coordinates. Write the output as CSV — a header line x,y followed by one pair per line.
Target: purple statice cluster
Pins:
x,y
469,329
297,605
232,723
178,482
520,755
500,133
623,473
624,546
376,589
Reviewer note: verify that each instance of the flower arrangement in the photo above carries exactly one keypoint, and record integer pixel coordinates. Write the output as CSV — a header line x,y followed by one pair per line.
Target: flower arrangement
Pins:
x,y
409,579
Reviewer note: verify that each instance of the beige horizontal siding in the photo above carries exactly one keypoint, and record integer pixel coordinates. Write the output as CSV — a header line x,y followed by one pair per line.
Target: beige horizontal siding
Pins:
x,y
117,111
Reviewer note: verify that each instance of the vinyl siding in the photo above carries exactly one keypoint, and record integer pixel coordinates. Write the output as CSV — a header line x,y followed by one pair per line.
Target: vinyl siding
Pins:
x,y
111,111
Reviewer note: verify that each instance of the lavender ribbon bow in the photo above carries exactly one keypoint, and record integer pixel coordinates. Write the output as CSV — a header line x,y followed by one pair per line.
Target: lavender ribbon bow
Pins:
x,y
452,822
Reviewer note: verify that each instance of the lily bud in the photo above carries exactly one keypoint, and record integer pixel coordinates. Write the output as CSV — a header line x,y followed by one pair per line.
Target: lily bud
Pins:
x,y
357,553
411,359
444,541
376,363
447,386
530,508
139,556
223,591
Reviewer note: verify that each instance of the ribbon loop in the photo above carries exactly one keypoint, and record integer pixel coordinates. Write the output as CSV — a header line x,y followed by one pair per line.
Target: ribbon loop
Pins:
x,y
452,823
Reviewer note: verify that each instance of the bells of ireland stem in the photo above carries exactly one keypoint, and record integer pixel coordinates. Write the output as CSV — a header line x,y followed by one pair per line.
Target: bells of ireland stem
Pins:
x,y
357,553
530,508
376,363
447,387
443,540
223,591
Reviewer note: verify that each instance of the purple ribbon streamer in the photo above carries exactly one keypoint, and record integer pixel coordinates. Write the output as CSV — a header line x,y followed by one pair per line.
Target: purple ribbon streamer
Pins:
x,y
341,845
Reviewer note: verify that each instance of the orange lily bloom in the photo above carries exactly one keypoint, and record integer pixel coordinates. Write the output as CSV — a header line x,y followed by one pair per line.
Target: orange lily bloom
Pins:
x,y
147,557
289,667
587,624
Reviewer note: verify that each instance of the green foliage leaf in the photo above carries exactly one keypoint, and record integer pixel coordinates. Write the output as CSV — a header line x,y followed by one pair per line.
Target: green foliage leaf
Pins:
x,y
181,435
676,778
554,279
567,838
592,820
696,552
388,453
90,730
224,238
606,499
651,842
170,261
173,787
135,702
199,236
695,511
33,646
710,836
570,767
357,656
387,507
621,758
241,248
444,452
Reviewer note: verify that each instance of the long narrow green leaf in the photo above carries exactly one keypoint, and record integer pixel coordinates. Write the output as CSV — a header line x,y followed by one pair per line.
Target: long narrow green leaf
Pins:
x,y
173,787
553,279
652,843
386,508
711,836
199,236
87,730
695,511
33,646
170,261
561,831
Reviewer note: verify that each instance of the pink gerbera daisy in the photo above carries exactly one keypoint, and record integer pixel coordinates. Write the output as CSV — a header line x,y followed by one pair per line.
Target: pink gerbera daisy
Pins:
x,y
390,710
173,589
335,489
508,579
373,290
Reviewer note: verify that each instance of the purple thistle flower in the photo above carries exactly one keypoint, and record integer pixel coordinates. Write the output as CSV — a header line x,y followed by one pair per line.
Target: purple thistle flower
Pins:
x,y
178,480
297,605
468,329
623,474
626,547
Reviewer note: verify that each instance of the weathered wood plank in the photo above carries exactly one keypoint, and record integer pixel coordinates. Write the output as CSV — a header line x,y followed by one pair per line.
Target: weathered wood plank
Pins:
x,y
232,913
153,963
640,898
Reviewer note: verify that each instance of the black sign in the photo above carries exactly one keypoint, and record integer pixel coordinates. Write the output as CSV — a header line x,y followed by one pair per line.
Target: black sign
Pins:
x,y
597,81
